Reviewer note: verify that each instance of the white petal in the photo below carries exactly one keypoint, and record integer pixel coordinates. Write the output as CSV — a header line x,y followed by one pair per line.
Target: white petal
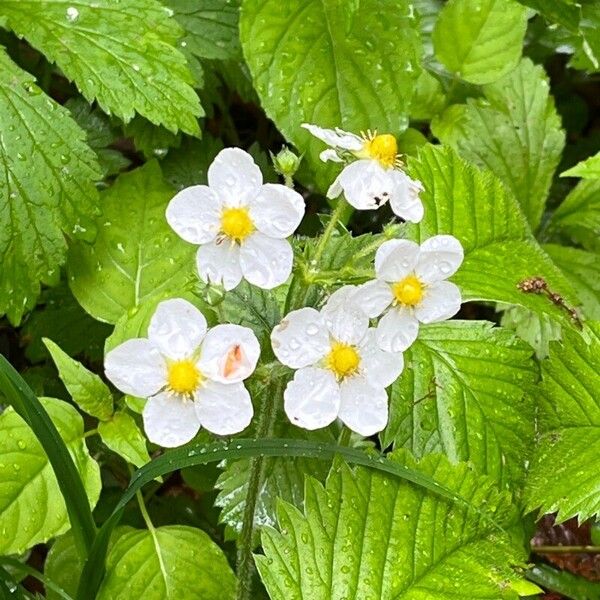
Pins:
x,y
346,320
170,420
229,353
397,329
366,184
335,189
219,263
224,409
234,177
312,398
374,297
301,339
136,367
439,258
195,214
363,408
440,302
177,328
330,155
337,138
404,199
265,261
341,298
277,210
396,259
378,367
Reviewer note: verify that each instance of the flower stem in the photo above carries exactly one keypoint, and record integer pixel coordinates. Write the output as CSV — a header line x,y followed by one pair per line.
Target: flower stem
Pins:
x,y
328,232
264,429
566,549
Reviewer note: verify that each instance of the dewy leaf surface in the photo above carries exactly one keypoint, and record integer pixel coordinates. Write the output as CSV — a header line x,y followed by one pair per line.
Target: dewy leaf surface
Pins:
x,y
167,563
47,175
369,536
500,251
332,63
121,54
514,131
480,40
463,393
32,509
564,474
136,256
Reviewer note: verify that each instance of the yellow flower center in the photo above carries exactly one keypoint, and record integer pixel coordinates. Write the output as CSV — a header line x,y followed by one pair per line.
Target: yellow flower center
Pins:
x,y
382,148
184,377
343,359
409,291
236,223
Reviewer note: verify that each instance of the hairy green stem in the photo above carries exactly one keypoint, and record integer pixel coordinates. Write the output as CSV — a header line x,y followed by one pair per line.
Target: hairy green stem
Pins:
x,y
566,549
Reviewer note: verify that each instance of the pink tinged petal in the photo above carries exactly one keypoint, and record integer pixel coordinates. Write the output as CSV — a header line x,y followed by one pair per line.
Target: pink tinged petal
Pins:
x,y
405,200
234,177
366,184
397,329
301,339
312,398
337,138
363,408
177,328
374,297
396,259
195,214
170,420
136,367
439,258
229,353
219,263
265,261
277,210
441,301
379,368
224,409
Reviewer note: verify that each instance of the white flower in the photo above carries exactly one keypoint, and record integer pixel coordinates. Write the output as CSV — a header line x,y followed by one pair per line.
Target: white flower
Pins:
x,y
191,377
411,287
341,370
239,223
372,176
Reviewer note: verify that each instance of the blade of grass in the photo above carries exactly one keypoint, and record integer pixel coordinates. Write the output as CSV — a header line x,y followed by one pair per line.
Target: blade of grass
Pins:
x,y
24,401
25,569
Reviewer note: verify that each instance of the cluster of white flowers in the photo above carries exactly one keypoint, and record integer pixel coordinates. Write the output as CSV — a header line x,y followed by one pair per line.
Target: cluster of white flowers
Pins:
x,y
193,377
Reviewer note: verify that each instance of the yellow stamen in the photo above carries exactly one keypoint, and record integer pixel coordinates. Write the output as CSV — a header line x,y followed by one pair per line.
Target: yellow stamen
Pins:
x,y
236,223
343,359
382,148
409,291
184,377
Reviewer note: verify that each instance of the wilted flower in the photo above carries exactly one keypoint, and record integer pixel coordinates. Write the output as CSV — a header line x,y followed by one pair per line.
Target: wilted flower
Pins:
x,y
192,377
410,288
372,176
341,370
239,223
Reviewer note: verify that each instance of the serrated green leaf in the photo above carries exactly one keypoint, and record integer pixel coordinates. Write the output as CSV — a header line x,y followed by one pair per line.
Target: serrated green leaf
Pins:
x,y
563,12
32,509
46,188
368,536
480,40
514,131
563,476
463,394
500,251
579,214
123,436
61,319
152,141
587,169
136,255
582,269
88,391
332,66
167,563
120,54
211,27
535,329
